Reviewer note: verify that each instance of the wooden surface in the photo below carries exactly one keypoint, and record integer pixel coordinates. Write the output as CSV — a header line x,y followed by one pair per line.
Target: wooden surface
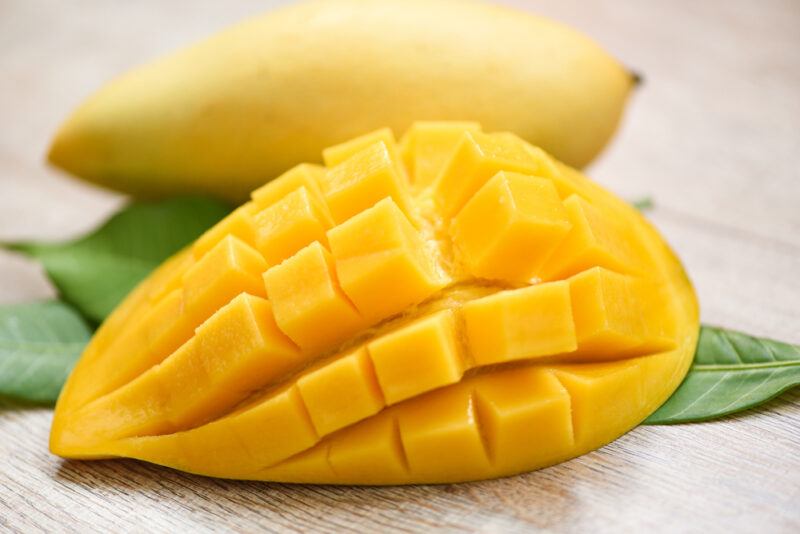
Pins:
x,y
713,136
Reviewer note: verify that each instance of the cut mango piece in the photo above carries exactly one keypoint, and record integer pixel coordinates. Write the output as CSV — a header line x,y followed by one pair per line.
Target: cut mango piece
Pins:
x,y
370,452
296,220
525,415
238,224
230,268
137,408
336,154
427,146
382,262
308,303
304,175
255,353
195,384
169,280
162,329
362,180
497,314
418,357
341,392
441,435
510,227
521,323
274,429
603,397
594,239
477,158
611,319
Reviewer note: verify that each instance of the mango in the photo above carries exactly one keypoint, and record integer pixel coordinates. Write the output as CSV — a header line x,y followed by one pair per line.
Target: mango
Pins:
x,y
224,115
455,307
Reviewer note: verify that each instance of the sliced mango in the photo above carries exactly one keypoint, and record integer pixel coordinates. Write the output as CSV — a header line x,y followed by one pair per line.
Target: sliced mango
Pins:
x,y
457,308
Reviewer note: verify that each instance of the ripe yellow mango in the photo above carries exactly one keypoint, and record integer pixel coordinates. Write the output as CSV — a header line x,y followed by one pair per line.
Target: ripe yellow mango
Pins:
x,y
225,115
455,307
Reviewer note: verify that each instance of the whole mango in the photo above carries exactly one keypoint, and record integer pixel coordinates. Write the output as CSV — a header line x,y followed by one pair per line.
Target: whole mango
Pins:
x,y
225,115
457,307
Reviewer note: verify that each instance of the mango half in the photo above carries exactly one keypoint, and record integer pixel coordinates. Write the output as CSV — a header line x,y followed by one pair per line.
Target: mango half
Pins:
x,y
454,307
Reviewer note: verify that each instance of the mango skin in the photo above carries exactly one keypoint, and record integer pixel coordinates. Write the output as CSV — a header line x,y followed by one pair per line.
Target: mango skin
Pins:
x,y
372,347
225,115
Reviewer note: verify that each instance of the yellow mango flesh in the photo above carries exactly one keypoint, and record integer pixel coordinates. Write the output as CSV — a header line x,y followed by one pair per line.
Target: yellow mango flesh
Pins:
x,y
457,307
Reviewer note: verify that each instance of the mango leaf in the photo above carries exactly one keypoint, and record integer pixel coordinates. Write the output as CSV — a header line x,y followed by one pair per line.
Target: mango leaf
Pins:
x,y
39,344
643,204
95,272
731,372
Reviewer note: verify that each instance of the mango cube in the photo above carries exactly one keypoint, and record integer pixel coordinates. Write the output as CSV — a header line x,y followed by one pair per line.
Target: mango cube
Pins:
x,y
382,262
522,411
230,268
308,303
238,224
289,224
418,357
360,181
336,154
601,393
610,320
341,392
441,435
510,226
427,146
521,323
477,158
238,350
304,175
594,239
373,446
254,427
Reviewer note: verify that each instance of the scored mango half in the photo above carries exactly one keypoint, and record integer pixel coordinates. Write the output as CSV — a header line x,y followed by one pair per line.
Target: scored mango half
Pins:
x,y
457,306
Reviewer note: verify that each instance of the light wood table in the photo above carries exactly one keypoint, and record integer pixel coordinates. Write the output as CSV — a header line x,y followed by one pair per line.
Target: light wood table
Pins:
x,y
713,136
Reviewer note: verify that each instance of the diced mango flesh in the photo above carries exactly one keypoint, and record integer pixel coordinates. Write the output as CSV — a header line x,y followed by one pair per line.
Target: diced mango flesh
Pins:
x,y
360,181
510,226
308,302
458,308
427,146
341,393
418,357
378,249
290,224
477,158
303,175
521,323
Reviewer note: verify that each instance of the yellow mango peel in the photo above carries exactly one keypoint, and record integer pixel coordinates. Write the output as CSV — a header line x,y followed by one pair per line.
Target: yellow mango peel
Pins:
x,y
456,306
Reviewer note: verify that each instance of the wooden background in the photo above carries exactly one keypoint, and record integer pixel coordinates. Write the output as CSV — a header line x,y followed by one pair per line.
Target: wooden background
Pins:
x,y
713,136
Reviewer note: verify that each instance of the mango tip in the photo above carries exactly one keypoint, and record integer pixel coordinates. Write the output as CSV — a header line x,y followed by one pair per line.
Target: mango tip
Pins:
x,y
637,78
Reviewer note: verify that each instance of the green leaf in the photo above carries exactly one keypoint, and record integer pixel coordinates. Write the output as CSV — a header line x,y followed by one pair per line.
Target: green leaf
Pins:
x,y
731,372
643,204
39,344
95,272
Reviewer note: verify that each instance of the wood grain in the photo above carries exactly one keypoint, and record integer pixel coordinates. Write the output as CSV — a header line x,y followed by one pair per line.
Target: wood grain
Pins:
x,y
712,136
